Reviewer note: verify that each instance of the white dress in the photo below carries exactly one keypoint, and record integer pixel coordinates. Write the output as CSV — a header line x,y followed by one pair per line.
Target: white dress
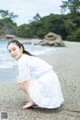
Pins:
x,y
44,87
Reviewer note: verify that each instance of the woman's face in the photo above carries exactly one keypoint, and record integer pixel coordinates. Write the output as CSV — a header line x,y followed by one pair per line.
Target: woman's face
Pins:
x,y
15,51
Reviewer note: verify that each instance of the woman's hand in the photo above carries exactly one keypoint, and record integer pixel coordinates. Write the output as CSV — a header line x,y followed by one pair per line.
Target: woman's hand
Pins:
x,y
18,80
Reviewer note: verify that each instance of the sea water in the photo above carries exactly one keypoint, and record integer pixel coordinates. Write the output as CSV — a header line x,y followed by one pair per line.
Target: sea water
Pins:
x,y
7,62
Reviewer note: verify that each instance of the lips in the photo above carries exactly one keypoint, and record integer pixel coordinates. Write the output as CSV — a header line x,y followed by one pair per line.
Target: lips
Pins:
x,y
14,56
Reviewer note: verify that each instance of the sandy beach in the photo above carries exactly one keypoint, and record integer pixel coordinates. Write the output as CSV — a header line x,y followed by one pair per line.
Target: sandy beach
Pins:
x,y
66,64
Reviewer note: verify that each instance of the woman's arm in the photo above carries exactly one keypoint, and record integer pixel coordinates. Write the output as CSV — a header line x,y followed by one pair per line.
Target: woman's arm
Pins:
x,y
23,85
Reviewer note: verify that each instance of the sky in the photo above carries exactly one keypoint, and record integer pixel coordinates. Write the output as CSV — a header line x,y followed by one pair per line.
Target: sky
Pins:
x,y
27,9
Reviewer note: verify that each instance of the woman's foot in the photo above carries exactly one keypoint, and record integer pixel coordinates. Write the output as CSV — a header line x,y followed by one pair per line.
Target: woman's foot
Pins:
x,y
28,104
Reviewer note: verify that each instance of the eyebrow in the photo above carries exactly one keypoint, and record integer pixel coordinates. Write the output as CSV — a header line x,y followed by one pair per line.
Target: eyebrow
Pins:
x,y
12,48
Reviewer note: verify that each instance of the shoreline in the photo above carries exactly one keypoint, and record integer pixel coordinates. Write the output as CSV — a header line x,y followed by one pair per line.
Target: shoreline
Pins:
x,y
66,65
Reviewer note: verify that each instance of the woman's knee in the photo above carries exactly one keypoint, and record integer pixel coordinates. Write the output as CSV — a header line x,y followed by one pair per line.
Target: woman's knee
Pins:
x,y
26,84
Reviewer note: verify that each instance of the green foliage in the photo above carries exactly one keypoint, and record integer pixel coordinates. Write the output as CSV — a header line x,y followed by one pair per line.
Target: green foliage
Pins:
x,y
69,25
72,5
66,25
24,31
7,25
74,36
6,14
37,17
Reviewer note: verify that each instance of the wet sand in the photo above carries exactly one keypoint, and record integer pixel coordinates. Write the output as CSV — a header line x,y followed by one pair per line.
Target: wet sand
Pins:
x,y
66,64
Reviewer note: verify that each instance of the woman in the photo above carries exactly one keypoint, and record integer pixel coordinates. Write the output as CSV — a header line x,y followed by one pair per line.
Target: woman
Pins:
x,y
36,78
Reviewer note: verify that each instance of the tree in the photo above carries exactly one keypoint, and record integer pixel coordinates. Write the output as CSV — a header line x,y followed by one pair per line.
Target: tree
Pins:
x,y
74,36
69,25
24,31
6,14
72,5
37,17
7,26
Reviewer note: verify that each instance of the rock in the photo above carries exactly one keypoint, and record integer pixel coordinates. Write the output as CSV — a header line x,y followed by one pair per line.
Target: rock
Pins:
x,y
9,36
52,39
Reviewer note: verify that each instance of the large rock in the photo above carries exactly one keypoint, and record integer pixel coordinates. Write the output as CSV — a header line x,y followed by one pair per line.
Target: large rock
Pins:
x,y
52,39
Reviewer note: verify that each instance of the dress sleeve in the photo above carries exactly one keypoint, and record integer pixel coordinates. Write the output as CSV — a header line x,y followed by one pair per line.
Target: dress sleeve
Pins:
x,y
24,71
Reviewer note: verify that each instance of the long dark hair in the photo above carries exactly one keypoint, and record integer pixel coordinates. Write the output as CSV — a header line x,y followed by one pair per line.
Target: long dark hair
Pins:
x,y
19,45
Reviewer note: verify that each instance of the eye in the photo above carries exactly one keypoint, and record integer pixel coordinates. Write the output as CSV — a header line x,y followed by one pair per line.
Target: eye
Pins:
x,y
9,51
14,49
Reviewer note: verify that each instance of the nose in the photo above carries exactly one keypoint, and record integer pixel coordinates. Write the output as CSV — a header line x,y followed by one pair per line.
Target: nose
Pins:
x,y
12,53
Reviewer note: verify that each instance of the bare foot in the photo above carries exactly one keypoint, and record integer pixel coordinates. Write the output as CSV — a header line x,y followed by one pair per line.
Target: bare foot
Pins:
x,y
28,105
27,100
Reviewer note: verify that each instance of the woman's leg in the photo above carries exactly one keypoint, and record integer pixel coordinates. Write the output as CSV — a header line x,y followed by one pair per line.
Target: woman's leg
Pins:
x,y
25,86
